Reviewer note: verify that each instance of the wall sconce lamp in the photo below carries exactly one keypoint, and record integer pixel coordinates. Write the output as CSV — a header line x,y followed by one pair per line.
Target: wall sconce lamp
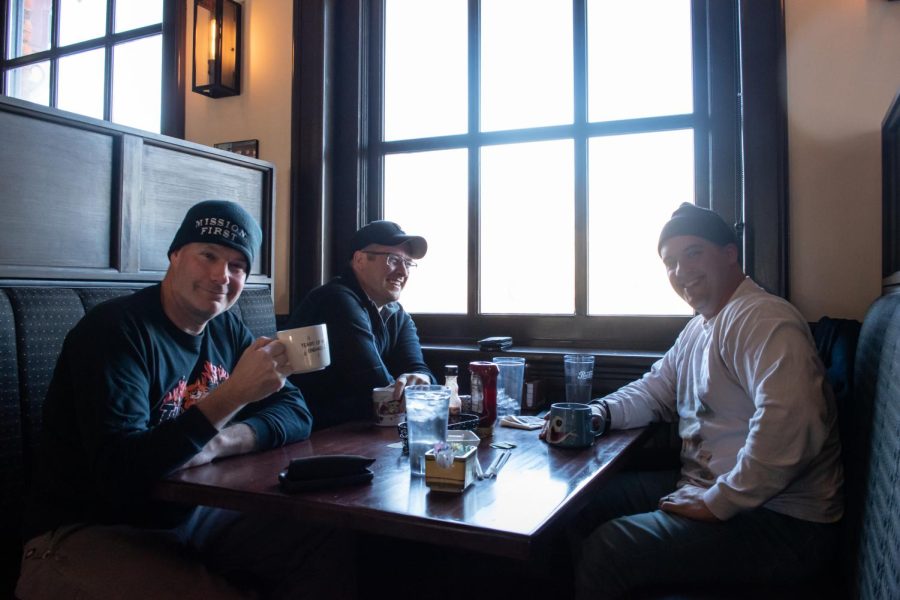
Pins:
x,y
217,48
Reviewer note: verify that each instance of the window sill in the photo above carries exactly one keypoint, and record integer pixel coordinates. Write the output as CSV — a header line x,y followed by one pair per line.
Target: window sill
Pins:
x,y
541,353
612,368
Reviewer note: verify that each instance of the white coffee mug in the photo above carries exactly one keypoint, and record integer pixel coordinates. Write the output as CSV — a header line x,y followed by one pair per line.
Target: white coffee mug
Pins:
x,y
306,347
388,412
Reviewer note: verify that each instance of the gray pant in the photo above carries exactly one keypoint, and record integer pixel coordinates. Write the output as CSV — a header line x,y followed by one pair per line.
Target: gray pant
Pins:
x,y
651,547
215,554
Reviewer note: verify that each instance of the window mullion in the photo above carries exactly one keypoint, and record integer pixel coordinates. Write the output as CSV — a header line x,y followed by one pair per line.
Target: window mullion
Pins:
x,y
474,158
54,24
108,61
370,205
54,45
723,82
702,167
5,19
579,65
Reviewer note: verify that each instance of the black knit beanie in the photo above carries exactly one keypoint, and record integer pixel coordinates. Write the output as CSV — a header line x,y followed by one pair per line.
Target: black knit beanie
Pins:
x,y
690,219
219,222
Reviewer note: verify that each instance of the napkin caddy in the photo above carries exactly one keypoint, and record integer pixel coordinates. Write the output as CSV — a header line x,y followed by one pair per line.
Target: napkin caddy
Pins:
x,y
460,474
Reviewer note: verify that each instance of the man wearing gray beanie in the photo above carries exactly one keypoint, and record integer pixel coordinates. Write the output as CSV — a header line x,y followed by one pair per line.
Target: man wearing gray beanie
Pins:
x,y
758,496
149,383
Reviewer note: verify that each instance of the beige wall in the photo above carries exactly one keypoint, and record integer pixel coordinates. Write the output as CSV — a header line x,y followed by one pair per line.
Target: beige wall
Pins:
x,y
262,111
843,70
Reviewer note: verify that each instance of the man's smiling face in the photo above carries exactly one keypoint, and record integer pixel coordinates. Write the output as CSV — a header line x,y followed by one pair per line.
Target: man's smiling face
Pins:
x,y
203,281
380,273
704,274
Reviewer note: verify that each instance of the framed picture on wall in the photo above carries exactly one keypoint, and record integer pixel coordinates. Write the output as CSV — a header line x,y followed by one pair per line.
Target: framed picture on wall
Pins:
x,y
244,147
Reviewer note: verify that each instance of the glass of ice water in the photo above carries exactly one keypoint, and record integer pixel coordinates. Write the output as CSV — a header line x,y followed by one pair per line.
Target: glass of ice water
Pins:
x,y
427,407
509,385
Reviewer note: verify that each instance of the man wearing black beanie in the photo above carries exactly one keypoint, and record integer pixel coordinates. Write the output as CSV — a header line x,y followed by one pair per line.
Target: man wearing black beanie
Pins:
x,y
149,383
758,496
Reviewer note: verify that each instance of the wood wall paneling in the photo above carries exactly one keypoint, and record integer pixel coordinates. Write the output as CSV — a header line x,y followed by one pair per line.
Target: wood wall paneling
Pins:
x,y
173,180
130,218
57,205
88,200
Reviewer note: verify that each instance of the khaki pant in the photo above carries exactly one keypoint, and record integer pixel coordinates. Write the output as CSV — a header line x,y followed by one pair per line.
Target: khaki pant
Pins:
x,y
220,554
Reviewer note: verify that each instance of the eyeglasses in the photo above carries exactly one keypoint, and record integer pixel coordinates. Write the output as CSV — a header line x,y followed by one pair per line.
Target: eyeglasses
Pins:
x,y
395,260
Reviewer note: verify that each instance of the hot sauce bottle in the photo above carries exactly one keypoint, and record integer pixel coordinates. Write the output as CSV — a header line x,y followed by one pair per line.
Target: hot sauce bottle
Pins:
x,y
450,374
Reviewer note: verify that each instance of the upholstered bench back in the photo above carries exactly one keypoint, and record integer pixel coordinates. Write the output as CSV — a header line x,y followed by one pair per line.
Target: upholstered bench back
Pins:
x,y
871,549
869,413
34,322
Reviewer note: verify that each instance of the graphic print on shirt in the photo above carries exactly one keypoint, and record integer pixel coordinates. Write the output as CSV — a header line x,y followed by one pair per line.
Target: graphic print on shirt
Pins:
x,y
183,396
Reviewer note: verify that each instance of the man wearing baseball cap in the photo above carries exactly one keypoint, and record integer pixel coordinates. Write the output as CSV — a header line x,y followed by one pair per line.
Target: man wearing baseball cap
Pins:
x,y
149,383
373,341
759,492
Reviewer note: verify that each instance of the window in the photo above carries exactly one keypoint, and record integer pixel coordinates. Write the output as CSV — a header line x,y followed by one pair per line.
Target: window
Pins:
x,y
539,145
566,166
98,58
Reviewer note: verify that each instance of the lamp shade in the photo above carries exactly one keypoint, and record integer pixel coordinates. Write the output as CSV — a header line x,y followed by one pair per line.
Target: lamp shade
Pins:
x,y
217,48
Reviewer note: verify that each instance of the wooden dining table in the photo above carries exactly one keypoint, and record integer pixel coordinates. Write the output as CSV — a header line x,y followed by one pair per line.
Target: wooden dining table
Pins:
x,y
513,515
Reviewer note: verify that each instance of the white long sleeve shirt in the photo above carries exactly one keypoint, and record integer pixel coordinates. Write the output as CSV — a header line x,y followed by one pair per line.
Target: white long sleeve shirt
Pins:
x,y
757,420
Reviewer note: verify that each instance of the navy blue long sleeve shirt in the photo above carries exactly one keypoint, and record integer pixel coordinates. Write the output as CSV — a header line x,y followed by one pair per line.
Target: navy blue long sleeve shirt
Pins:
x,y
120,412
368,350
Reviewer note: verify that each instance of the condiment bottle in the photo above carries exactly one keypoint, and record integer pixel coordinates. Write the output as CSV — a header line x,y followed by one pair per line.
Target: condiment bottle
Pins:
x,y
450,374
484,394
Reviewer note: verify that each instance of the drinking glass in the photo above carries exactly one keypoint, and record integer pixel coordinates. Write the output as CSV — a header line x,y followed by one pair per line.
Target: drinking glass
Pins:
x,y
579,369
427,407
509,385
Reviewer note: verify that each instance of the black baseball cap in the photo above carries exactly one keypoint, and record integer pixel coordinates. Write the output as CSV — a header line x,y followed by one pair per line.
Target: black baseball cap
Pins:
x,y
388,233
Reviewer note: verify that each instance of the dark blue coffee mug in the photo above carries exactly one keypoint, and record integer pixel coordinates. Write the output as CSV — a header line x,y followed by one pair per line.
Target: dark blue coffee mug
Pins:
x,y
570,425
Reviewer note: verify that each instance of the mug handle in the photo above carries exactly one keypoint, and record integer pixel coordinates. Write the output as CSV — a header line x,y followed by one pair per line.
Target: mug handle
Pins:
x,y
596,432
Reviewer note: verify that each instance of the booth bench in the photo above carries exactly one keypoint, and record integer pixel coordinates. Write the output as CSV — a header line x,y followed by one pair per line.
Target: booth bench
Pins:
x,y
33,324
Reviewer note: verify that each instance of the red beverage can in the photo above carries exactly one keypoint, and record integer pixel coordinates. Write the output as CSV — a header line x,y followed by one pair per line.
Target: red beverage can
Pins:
x,y
484,393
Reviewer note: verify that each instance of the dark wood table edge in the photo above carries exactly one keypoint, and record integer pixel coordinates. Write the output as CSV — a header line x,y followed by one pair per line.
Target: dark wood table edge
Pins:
x,y
529,548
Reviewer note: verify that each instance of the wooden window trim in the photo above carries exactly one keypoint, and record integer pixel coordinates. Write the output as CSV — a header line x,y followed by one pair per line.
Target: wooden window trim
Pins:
x,y
173,57
330,181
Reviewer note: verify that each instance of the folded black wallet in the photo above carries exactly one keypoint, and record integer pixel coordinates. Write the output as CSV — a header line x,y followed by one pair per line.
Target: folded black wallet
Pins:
x,y
330,470
498,342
